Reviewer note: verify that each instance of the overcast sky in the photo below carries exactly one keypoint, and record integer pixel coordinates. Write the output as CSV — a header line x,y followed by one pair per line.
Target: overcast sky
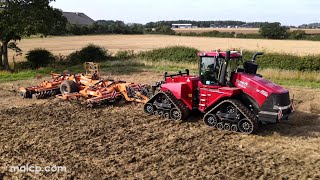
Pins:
x,y
288,12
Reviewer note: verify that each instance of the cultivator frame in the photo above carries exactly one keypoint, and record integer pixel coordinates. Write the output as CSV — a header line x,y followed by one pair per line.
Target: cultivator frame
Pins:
x,y
46,88
89,88
105,92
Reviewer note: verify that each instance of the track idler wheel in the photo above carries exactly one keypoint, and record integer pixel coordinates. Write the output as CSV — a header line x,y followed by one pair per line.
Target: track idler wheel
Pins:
x,y
246,126
234,128
166,115
211,120
175,114
227,127
220,126
149,108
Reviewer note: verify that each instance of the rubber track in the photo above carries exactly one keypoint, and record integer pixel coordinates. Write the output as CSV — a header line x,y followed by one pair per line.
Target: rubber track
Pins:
x,y
244,111
178,104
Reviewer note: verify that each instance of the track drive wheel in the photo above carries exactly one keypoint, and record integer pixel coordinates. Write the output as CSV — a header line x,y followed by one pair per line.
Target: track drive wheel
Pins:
x,y
246,126
68,86
148,108
211,120
175,114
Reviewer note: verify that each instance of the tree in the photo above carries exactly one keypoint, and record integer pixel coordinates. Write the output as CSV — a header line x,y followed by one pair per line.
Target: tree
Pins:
x,y
274,31
21,18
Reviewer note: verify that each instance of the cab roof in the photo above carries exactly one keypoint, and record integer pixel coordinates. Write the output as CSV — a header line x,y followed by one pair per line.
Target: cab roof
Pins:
x,y
233,54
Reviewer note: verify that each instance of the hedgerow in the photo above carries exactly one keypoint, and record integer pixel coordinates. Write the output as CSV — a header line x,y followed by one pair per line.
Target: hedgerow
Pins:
x,y
286,61
174,53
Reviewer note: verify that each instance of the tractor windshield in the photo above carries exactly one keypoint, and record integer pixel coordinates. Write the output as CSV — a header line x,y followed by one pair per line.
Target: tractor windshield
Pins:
x,y
209,70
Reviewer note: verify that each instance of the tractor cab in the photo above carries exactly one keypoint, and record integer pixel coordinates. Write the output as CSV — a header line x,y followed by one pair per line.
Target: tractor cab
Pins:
x,y
217,68
213,66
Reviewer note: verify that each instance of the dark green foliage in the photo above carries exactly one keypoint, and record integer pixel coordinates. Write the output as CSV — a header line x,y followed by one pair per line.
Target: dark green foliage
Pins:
x,y
23,65
160,30
165,30
298,34
249,36
274,31
124,54
24,18
313,37
213,33
286,61
40,58
174,53
90,53
106,27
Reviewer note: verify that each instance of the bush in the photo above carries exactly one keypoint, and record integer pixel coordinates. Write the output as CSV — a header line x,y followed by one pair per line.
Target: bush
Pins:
x,y
174,53
286,61
124,54
249,36
218,34
298,34
314,37
23,65
91,53
162,30
40,58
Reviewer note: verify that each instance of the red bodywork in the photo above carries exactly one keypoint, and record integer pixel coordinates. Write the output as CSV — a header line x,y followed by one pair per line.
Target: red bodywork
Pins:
x,y
256,87
185,89
196,95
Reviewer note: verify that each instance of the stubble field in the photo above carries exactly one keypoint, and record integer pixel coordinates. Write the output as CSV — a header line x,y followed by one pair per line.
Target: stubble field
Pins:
x,y
122,142
114,43
236,30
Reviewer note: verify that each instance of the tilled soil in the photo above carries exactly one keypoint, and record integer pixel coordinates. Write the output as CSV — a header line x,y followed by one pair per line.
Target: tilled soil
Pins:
x,y
122,142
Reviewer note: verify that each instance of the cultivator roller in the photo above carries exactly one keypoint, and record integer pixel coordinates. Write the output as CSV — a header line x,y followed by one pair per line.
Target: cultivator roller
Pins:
x,y
45,89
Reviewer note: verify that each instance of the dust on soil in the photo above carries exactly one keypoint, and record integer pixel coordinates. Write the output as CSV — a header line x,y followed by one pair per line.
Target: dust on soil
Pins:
x,y
123,142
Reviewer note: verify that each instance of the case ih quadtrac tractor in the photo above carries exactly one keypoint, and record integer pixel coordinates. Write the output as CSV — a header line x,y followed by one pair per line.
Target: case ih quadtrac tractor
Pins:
x,y
229,91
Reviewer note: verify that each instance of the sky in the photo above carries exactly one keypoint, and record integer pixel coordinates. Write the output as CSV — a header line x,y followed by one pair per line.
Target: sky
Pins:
x,y
288,12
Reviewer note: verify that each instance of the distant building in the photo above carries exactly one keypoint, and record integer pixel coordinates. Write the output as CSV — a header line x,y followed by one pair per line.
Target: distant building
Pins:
x,y
78,18
181,25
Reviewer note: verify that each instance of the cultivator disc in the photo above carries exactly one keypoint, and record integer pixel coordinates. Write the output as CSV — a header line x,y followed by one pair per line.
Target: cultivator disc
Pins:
x,y
46,93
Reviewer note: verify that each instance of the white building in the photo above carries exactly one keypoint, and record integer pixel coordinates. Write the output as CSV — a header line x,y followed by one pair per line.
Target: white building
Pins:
x,y
181,25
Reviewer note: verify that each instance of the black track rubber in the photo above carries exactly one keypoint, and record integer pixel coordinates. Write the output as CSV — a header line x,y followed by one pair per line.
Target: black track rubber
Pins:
x,y
178,104
242,109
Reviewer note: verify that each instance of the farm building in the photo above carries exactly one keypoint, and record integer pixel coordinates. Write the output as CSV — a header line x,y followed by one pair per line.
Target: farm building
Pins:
x,y
181,25
78,18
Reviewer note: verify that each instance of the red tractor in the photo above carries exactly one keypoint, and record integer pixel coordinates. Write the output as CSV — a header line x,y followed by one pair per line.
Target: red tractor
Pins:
x,y
229,91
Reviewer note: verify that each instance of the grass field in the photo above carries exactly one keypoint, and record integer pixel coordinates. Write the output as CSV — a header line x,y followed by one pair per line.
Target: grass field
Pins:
x,y
114,43
236,30
111,68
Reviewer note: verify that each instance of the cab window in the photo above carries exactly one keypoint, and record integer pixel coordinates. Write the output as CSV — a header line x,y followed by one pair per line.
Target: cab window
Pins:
x,y
209,70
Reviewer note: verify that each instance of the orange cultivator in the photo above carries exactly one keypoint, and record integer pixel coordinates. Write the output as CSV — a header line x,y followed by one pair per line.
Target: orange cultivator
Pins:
x,y
103,92
90,86
46,88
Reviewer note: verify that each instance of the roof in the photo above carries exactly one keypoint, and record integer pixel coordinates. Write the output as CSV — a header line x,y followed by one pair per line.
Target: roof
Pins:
x,y
233,54
78,18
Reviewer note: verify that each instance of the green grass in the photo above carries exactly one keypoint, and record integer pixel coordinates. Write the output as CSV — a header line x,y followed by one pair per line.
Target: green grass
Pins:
x,y
281,77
